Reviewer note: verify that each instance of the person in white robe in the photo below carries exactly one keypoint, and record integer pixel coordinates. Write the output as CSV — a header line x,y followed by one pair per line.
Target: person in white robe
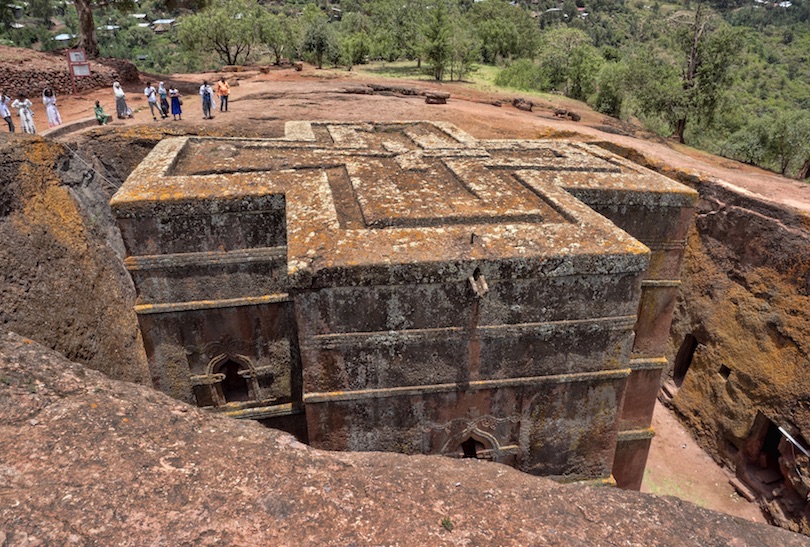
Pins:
x,y
5,113
23,106
121,108
49,100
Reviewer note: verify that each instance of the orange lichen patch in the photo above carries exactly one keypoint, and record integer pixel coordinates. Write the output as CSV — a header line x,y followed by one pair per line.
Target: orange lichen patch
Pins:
x,y
55,210
45,202
759,328
552,133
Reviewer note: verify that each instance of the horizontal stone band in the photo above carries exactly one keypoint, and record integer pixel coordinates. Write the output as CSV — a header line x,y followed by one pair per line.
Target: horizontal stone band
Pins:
x,y
635,435
334,396
170,307
648,363
355,339
662,283
207,258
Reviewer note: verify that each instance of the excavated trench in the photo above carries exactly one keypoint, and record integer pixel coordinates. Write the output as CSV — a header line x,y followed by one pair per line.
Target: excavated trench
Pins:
x,y
740,339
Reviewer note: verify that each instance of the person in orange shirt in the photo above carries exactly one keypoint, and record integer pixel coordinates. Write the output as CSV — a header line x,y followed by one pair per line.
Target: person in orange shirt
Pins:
x,y
223,90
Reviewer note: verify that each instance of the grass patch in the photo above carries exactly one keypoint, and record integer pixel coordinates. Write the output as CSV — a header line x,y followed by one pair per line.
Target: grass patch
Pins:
x,y
669,487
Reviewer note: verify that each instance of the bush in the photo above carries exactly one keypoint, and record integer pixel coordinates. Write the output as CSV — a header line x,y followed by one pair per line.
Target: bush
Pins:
x,y
522,74
609,96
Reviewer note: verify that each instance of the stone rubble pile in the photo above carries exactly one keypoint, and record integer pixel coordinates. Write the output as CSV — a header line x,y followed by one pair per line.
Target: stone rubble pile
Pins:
x,y
32,78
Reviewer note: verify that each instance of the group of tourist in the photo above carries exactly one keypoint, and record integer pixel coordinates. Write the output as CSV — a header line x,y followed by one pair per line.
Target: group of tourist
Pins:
x,y
223,91
161,101
158,100
23,106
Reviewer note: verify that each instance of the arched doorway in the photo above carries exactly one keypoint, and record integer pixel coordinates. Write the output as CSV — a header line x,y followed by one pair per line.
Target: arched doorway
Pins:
x,y
234,385
472,448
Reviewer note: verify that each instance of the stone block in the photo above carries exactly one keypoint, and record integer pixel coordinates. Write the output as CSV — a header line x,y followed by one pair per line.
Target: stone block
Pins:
x,y
407,287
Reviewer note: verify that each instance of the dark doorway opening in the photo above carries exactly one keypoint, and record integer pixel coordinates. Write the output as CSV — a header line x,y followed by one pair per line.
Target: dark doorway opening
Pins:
x,y
471,448
234,386
769,455
684,359
762,470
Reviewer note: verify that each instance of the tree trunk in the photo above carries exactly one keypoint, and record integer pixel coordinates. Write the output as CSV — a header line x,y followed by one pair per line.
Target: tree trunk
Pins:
x,y
804,172
87,28
680,127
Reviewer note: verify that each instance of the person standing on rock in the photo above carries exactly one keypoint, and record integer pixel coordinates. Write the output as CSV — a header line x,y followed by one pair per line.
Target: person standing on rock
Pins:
x,y
49,100
151,99
5,113
223,90
121,108
23,105
164,101
207,95
177,103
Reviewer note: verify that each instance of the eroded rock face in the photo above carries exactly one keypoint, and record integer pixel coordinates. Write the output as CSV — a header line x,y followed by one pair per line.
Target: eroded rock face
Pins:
x,y
61,279
740,340
88,460
741,345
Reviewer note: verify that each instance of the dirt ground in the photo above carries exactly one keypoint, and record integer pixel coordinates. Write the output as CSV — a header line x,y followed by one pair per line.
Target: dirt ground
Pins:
x,y
678,467
260,103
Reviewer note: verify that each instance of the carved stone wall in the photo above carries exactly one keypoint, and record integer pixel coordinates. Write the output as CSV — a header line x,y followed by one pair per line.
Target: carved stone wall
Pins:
x,y
406,287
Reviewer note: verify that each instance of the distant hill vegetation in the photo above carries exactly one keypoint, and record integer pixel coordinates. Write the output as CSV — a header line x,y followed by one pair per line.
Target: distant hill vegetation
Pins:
x,y
730,76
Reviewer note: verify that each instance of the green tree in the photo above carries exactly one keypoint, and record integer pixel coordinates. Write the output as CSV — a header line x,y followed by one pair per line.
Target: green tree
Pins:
x,y
504,30
355,47
569,62
229,28
42,10
610,91
395,28
319,39
277,32
789,140
690,85
464,47
436,47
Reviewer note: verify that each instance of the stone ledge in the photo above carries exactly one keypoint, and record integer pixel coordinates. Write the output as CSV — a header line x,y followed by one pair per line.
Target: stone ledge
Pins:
x,y
335,396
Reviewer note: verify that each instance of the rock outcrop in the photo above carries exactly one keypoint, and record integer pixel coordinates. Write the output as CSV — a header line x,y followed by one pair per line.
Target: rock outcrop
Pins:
x,y
88,460
61,278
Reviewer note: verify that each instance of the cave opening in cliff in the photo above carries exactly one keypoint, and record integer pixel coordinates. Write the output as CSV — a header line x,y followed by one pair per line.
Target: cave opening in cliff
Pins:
x,y
234,386
769,454
762,468
683,360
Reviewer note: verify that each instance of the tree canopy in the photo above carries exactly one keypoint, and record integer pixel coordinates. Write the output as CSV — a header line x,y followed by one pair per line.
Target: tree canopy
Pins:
x,y
227,28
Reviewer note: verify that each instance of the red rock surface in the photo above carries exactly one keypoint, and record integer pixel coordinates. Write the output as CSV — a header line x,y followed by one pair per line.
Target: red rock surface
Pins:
x,y
85,460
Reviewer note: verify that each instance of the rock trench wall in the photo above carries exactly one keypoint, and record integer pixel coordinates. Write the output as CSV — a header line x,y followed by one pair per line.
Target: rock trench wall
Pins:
x,y
61,278
742,329
32,78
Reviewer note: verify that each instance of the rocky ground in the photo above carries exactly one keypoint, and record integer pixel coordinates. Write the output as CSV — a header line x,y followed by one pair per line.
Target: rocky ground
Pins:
x,y
91,461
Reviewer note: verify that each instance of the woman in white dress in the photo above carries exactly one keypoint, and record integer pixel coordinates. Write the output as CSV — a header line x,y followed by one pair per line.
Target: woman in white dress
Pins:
x,y
23,105
49,100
